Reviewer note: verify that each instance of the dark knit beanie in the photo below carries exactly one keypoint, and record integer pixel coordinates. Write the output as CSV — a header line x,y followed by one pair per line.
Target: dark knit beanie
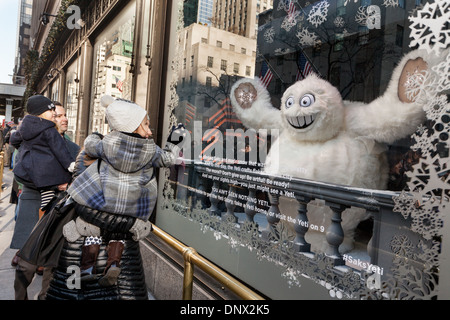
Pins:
x,y
38,104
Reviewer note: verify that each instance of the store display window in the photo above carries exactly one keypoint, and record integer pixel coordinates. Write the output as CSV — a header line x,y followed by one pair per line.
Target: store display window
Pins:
x,y
112,59
316,164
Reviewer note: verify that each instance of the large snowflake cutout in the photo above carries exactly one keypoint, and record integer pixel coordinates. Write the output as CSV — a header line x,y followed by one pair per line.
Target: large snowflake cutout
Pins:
x,y
269,35
307,38
318,13
290,21
429,29
442,71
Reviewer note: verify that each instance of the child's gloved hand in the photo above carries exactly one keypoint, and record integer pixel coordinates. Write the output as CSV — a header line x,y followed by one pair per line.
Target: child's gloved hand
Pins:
x,y
140,229
177,135
74,229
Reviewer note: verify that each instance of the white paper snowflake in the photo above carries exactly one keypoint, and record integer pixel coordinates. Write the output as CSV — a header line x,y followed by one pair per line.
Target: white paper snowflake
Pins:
x,y
390,3
339,22
269,34
290,21
306,38
415,83
437,108
442,72
318,13
284,4
362,16
429,29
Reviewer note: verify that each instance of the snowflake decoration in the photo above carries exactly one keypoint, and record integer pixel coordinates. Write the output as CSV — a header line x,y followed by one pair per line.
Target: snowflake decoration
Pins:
x,y
362,15
415,83
282,51
318,13
427,222
339,22
284,4
429,28
388,3
404,203
437,108
269,34
290,20
442,71
430,177
307,38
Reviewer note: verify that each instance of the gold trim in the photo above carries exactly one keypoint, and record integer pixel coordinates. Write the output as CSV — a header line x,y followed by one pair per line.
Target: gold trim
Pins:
x,y
191,258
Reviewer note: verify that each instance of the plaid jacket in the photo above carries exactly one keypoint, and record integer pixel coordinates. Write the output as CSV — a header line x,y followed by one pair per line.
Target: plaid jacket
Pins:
x,y
123,181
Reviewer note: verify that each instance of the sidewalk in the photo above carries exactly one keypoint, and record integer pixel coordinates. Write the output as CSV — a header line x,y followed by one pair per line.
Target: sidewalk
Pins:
x,y
7,223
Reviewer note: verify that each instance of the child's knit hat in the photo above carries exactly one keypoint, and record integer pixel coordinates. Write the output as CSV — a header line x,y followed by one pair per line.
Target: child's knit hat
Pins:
x,y
122,115
38,104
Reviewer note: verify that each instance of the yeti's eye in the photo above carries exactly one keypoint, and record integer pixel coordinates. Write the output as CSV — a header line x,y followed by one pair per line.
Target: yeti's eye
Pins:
x,y
307,100
290,102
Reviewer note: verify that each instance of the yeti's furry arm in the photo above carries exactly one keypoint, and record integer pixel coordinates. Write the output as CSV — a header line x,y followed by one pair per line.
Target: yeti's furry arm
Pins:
x,y
394,115
251,102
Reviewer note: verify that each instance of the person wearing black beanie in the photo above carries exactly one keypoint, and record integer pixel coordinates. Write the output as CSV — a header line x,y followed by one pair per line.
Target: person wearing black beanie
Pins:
x,y
38,104
42,148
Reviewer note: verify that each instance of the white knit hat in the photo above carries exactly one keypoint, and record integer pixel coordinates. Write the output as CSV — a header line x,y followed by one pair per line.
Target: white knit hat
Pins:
x,y
122,115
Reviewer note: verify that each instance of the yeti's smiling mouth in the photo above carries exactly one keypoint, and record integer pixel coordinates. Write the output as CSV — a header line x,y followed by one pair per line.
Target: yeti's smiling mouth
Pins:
x,y
301,122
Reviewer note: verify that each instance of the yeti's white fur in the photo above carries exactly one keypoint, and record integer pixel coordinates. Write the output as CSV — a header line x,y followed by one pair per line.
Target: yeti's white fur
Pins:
x,y
344,144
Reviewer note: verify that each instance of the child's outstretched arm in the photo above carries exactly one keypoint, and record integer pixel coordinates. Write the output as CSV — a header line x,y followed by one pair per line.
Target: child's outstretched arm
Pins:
x,y
168,156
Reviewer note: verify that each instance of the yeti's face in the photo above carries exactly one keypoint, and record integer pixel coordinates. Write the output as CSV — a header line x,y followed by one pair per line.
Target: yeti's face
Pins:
x,y
312,110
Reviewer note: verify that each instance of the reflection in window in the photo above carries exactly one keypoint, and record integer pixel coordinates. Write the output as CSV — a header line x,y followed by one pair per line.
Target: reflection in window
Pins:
x,y
72,92
291,40
112,58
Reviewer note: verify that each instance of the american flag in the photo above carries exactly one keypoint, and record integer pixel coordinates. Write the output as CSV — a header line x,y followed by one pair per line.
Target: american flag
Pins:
x,y
119,84
190,112
291,7
266,74
303,66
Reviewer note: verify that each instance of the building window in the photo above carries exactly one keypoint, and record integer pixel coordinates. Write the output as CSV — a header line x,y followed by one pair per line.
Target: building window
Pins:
x,y
223,65
219,44
248,71
236,68
210,62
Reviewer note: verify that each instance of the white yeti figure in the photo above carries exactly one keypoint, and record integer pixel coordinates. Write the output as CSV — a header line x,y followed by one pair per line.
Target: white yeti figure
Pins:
x,y
327,139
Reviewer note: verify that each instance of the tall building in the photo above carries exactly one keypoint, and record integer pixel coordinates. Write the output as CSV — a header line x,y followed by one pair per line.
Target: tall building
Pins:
x,y
198,11
239,16
23,39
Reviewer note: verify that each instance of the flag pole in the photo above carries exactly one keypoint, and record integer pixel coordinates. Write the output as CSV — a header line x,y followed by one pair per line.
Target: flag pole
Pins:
x,y
271,68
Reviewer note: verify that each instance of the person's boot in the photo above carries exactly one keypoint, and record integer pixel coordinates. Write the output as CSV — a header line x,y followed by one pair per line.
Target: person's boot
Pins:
x,y
112,270
89,254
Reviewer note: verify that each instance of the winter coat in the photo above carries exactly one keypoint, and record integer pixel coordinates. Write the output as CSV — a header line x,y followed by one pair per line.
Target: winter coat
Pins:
x,y
131,281
44,158
123,182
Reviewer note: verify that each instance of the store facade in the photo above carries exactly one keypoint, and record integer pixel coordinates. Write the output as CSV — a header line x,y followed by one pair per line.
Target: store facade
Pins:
x,y
295,191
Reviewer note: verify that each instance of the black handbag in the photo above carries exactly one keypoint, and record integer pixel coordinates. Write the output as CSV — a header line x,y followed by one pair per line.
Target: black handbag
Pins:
x,y
45,242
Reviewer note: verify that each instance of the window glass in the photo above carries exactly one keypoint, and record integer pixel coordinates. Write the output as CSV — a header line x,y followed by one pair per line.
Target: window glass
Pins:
x,y
113,51
72,96
301,168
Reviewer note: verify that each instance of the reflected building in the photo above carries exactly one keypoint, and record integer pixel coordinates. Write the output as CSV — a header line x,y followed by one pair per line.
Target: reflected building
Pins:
x,y
215,55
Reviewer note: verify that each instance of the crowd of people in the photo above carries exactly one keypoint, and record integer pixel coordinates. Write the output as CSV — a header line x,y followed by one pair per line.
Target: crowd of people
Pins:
x,y
84,206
